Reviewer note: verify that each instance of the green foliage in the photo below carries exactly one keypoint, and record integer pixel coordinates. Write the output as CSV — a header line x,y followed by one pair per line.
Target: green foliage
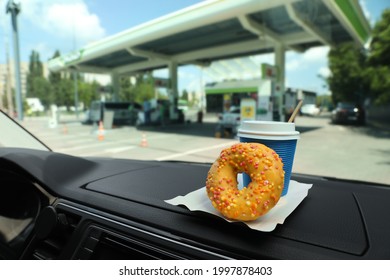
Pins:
x,y
378,70
65,95
35,66
88,92
37,85
358,74
347,64
379,77
142,90
58,88
35,72
380,43
127,92
190,97
55,77
184,95
43,91
54,80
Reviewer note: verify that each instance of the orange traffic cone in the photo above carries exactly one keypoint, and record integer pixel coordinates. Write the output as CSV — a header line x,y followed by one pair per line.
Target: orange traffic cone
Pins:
x,y
65,129
144,142
101,131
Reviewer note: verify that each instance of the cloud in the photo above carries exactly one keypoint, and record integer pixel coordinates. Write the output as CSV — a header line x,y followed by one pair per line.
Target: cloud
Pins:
x,y
292,64
324,72
65,19
303,69
194,86
317,54
42,48
264,58
187,73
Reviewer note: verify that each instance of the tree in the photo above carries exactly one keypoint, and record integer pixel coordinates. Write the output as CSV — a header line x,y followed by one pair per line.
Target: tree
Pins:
x,y
380,44
88,92
378,70
184,95
37,85
142,90
347,65
127,92
43,91
357,73
66,93
54,80
35,66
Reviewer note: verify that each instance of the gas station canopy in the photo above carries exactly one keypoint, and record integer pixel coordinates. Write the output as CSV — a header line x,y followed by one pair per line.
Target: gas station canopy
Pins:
x,y
215,30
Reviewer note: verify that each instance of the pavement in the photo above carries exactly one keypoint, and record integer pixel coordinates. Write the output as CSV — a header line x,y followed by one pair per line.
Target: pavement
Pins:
x,y
342,151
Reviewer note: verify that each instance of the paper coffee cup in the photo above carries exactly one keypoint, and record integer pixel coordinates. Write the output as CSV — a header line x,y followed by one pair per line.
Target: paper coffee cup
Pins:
x,y
279,136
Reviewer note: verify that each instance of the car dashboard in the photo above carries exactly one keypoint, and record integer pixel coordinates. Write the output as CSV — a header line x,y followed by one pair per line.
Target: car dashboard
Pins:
x,y
56,206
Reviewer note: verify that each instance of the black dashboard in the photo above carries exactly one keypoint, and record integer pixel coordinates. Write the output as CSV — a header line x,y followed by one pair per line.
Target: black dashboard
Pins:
x,y
56,206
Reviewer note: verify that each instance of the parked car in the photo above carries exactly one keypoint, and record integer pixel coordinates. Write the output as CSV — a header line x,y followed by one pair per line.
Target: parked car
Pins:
x,y
310,110
125,113
228,122
348,113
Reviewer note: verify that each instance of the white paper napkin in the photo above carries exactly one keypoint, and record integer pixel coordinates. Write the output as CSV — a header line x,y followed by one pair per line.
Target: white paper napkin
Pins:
x,y
198,201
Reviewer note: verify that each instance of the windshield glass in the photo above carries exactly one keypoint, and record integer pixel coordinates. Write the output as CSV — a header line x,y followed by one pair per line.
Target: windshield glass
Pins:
x,y
141,81
15,136
346,106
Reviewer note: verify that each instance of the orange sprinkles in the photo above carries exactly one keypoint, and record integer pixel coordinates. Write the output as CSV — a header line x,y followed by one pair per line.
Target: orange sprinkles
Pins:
x,y
265,168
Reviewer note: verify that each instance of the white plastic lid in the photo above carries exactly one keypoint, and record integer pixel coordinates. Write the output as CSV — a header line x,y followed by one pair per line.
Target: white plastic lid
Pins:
x,y
268,130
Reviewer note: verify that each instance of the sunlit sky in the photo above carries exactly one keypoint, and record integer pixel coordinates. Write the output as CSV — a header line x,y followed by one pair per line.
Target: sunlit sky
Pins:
x,y
47,25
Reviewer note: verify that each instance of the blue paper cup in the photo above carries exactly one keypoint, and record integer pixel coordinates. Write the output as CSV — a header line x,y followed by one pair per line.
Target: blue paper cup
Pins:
x,y
279,136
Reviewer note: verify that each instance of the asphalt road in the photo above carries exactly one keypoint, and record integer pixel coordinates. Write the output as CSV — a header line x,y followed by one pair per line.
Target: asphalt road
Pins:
x,y
343,151
348,152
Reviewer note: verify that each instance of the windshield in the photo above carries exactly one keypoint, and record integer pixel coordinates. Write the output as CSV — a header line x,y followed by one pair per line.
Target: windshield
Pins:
x,y
15,136
141,81
346,106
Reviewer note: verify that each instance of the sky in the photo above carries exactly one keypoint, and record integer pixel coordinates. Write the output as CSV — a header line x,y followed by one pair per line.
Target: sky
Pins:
x,y
48,25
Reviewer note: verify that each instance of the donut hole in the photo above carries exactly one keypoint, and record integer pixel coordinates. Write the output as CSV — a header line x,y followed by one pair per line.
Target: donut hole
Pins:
x,y
240,180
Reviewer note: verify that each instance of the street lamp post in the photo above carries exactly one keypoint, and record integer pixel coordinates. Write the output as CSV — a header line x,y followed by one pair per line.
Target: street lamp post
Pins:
x,y
14,9
76,95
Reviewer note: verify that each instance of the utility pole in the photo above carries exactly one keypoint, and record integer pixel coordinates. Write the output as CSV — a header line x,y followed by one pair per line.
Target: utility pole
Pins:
x,y
75,77
14,10
10,100
76,95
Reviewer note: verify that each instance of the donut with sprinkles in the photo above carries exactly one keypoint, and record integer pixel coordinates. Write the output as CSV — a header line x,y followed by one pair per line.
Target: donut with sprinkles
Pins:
x,y
265,168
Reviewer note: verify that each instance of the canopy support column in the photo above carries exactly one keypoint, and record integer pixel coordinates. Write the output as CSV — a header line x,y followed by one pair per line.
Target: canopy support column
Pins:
x,y
173,92
115,81
279,86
